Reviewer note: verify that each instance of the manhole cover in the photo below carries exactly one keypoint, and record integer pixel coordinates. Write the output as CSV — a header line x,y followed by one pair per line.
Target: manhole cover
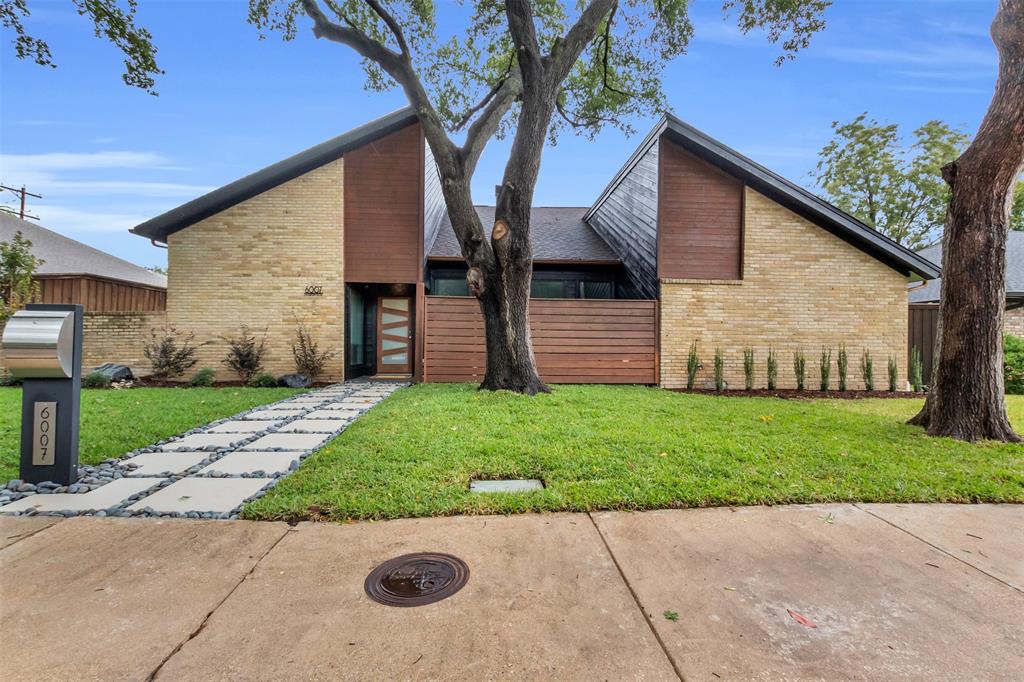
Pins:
x,y
416,579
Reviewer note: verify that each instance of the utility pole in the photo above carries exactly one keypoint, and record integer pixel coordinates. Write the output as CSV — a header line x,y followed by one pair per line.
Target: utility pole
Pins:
x,y
22,194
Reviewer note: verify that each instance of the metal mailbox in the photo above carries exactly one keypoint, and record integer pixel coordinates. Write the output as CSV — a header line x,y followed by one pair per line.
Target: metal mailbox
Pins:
x,y
42,345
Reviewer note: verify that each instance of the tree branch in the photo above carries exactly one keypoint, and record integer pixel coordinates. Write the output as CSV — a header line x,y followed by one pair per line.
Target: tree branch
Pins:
x,y
365,46
524,37
396,29
578,123
568,49
486,98
485,126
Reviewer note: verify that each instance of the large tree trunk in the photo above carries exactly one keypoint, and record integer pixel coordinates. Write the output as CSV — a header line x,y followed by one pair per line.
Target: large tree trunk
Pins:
x,y
966,397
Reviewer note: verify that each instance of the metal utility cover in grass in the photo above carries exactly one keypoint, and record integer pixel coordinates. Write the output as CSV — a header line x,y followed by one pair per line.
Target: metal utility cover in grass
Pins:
x,y
520,485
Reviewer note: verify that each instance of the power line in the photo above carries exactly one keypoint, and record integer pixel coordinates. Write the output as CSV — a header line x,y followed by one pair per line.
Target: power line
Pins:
x,y
21,193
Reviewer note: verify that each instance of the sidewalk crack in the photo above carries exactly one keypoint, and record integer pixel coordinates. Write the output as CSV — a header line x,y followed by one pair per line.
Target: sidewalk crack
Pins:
x,y
636,598
202,625
940,549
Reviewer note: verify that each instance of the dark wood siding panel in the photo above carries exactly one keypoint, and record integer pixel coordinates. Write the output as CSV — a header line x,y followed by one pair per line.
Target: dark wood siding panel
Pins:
x,y
383,211
433,201
923,328
628,221
99,295
575,341
701,218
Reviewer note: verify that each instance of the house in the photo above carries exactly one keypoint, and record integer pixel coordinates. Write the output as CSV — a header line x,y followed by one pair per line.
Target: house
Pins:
x,y
690,241
924,299
73,272
122,301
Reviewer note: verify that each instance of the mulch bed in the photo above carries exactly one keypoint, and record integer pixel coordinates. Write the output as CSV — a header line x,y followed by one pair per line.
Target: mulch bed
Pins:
x,y
793,394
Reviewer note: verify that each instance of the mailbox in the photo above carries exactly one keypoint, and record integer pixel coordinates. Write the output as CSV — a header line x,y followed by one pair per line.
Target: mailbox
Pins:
x,y
42,345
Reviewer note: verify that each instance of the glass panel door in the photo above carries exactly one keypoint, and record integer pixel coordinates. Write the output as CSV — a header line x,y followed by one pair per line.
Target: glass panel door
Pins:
x,y
394,335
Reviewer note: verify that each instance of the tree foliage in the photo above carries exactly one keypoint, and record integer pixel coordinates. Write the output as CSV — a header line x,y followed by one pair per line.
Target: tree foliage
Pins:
x,y
870,172
1017,209
17,268
110,20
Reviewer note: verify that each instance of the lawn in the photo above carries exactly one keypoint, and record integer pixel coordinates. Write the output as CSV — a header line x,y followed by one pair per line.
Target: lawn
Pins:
x,y
603,447
117,421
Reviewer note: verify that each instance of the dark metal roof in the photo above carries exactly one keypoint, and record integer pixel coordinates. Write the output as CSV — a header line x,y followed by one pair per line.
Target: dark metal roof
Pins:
x,y
557,233
179,218
929,293
781,190
63,256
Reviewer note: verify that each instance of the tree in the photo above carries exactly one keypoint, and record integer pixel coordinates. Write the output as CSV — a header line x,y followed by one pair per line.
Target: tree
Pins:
x,y
868,171
966,399
17,268
110,21
529,70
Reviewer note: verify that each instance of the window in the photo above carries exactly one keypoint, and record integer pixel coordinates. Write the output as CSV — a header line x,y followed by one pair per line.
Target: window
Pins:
x,y
597,290
450,286
547,288
356,329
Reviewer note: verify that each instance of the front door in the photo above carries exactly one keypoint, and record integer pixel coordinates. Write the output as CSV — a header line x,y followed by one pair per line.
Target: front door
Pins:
x,y
394,335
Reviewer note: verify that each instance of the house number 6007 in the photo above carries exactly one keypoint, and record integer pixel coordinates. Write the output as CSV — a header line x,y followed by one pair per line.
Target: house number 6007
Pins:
x,y
44,433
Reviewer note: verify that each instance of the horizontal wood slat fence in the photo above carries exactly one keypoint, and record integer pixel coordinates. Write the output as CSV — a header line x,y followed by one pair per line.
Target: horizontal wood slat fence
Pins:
x,y
576,341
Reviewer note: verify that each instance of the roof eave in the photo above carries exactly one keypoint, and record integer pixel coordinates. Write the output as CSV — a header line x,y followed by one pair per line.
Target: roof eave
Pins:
x,y
166,224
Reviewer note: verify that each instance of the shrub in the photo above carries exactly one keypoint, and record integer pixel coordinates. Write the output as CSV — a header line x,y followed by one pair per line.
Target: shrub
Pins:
x,y
842,364
894,375
309,359
170,355
263,381
1013,364
17,268
800,369
203,377
826,367
95,380
916,370
719,369
7,379
867,371
245,353
692,365
773,369
748,368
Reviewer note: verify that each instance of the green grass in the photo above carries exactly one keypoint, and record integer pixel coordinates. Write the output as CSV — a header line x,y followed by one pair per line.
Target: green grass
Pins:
x,y
115,422
603,447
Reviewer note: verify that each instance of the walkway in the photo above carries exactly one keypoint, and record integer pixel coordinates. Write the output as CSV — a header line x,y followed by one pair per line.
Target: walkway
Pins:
x,y
878,592
211,471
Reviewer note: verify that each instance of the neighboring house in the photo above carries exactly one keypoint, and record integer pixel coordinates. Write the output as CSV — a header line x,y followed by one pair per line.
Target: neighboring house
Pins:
x,y
690,241
75,273
924,299
122,301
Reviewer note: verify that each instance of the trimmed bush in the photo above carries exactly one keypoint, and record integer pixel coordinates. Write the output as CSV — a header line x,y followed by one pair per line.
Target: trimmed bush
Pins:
x,y
748,368
692,365
842,364
263,381
7,379
894,375
916,370
719,369
867,371
825,365
800,369
203,377
245,353
773,369
170,354
95,380
1013,364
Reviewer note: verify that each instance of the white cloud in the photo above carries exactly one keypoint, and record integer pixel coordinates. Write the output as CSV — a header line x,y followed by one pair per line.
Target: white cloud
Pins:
x,y
66,219
925,55
120,187
56,162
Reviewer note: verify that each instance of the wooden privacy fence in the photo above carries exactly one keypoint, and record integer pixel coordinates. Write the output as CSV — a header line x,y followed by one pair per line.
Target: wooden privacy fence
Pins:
x,y
576,341
924,325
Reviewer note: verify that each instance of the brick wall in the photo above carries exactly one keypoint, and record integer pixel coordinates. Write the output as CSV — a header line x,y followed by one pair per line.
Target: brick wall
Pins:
x,y
802,288
117,338
1013,322
251,263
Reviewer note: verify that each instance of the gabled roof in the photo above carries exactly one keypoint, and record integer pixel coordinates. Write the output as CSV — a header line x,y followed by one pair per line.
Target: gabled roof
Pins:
x,y
179,218
787,193
557,234
929,293
64,256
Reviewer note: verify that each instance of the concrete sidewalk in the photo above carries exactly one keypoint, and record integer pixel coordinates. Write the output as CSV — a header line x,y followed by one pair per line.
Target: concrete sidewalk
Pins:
x,y
809,592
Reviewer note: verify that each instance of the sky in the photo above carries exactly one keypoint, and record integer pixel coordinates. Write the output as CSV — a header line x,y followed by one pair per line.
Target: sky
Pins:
x,y
106,157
